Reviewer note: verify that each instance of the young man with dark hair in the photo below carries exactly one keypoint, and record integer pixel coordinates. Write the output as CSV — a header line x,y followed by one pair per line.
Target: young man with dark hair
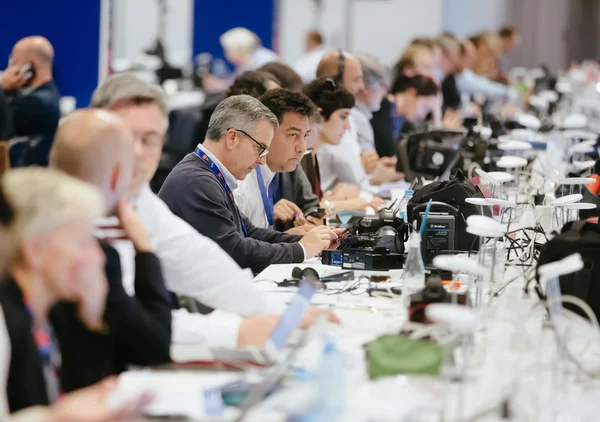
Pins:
x,y
277,194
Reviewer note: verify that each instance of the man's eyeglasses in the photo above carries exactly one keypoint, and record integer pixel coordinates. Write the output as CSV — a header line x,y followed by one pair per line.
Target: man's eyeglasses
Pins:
x,y
264,150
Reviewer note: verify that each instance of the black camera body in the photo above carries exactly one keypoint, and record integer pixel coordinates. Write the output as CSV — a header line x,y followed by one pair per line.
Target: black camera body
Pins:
x,y
384,230
433,292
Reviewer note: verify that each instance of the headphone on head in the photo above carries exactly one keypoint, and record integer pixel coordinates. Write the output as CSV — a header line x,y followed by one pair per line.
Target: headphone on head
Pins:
x,y
339,78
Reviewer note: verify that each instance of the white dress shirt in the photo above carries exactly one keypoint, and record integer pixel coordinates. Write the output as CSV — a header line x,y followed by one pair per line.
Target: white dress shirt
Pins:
x,y
306,66
469,82
362,116
249,199
341,163
196,266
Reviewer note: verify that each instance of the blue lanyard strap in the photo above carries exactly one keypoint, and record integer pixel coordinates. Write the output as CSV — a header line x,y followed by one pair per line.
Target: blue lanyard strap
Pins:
x,y
267,201
217,172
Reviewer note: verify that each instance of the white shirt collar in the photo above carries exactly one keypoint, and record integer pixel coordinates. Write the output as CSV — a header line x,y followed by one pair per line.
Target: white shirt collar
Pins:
x,y
267,174
231,181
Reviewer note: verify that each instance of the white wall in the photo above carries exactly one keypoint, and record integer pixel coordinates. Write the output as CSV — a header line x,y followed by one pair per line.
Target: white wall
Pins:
x,y
135,27
467,17
380,27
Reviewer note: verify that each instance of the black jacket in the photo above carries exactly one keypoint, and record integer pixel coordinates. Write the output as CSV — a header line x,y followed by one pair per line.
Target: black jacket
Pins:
x,y
35,115
450,93
195,194
138,328
296,188
383,129
26,385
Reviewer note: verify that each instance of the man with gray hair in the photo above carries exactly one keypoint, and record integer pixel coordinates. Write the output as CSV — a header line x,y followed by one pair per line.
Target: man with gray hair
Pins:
x,y
200,188
192,264
368,100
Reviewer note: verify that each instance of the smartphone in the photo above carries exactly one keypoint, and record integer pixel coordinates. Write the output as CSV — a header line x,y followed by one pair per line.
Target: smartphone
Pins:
x,y
28,73
316,212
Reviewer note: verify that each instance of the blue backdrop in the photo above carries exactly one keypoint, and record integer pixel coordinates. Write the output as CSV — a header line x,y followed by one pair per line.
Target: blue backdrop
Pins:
x,y
73,28
212,18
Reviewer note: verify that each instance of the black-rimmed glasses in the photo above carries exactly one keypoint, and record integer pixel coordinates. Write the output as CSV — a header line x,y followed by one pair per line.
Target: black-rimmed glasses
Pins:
x,y
264,150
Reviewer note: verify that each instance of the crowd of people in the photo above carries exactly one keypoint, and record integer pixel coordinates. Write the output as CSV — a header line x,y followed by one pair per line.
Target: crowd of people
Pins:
x,y
96,267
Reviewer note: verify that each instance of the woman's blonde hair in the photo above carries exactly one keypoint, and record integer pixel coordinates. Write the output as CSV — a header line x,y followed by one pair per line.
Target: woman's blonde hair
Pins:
x,y
39,200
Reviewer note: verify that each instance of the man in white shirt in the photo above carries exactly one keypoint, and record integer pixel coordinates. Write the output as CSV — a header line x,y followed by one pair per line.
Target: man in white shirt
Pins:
x,y
192,264
306,66
277,194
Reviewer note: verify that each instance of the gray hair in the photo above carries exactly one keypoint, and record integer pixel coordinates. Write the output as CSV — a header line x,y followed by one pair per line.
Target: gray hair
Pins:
x,y
240,39
374,71
128,87
241,112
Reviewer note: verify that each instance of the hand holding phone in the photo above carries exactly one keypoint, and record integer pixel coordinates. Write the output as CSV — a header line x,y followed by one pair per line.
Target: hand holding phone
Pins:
x,y
17,76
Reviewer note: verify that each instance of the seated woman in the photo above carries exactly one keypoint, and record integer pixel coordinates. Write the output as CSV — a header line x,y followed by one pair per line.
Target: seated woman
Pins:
x,y
412,98
50,254
327,128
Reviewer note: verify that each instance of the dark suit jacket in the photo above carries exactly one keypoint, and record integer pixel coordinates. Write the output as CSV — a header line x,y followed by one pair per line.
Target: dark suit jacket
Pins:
x,y
195,194
296,188
383,129
35,115
138,328
450,93
6,129
26,385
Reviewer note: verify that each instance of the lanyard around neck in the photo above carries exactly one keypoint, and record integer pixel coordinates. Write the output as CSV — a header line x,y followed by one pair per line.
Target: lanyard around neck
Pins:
x,y
217,172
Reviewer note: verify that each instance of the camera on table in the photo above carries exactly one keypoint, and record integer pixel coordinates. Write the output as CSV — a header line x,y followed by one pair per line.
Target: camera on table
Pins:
x,y
384,230
433,292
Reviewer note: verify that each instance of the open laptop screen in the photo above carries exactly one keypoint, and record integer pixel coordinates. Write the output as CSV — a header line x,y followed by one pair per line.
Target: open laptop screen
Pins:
x,y
292,316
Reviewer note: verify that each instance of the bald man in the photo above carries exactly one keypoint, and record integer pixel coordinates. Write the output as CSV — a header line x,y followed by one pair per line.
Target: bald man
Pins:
x,y
33,100
96,146
343,68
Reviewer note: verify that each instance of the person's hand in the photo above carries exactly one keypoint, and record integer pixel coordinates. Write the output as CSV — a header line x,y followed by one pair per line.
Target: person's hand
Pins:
x,y
452,120
377,203
134,230
509,111
389,161
475,110
383,174
315,221
316,240
285,211
369,160
255,331
300,230
13,78
345,191
313,314
90,405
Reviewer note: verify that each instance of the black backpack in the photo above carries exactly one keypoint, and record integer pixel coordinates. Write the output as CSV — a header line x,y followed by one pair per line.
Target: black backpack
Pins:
x,y
584,238
453,193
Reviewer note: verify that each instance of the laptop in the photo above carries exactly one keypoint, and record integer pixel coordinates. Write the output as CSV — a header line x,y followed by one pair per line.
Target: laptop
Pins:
x,y
270,352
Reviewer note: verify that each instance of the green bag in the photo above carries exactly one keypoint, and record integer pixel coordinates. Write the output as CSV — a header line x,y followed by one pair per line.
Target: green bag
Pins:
x,y
395,355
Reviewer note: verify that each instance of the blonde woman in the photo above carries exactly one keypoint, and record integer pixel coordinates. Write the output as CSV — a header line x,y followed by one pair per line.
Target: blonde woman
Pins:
x,y
49,255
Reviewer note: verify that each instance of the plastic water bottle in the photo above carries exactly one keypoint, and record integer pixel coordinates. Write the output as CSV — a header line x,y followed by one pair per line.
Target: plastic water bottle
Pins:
x,y
414,269
404,204
330,401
